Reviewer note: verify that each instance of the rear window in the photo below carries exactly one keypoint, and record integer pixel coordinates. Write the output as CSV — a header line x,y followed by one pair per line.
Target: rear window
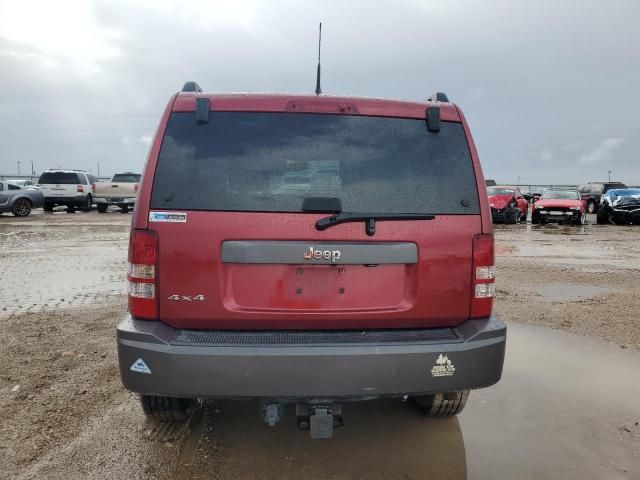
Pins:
x,y
623,192
500,191
126,178
562,194
59,178
270,162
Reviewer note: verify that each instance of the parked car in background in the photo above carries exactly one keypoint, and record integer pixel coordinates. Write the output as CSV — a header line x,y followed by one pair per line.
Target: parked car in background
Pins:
x,y
18,200
532,195
560,205
21,182
620,206
593,191
489,182
70,188
360,287
507,203
121,191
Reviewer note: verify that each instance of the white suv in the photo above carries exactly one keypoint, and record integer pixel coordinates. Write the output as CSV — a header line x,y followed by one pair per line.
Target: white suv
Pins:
x,y
71,188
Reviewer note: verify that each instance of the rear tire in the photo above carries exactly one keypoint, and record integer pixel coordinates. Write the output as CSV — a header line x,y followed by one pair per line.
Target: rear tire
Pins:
x,y
102,207
535,218
21,207
167,409
88,204
582,219
442,404
523,217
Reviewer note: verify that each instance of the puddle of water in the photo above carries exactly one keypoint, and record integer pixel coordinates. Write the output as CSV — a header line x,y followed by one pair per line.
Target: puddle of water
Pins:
x,y
56,266
560,411
561,292
506,249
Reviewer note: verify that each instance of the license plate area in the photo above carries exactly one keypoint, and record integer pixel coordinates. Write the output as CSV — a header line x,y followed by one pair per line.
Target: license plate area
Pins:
x,y
318,288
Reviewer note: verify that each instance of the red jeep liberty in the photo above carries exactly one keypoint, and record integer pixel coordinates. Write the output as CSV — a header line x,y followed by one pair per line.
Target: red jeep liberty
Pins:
x,y
311,250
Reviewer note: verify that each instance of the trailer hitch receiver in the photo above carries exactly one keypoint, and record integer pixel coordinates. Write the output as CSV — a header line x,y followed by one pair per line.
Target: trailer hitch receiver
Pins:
x,y
320,420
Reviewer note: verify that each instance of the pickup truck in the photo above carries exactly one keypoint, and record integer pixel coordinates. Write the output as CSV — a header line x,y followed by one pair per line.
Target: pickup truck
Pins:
x,y
120,191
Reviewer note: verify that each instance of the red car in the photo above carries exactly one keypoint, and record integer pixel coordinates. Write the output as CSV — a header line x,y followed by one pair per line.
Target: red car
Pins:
x,y
310,250
560,205
508,205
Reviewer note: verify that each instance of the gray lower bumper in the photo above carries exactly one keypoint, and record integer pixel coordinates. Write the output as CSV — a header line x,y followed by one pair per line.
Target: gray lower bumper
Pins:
x,y
237,369
109,201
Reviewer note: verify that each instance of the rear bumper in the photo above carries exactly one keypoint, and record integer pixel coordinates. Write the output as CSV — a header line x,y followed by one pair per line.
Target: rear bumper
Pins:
x,y
503,215
234,364
124,201
572,215
66,200
621,216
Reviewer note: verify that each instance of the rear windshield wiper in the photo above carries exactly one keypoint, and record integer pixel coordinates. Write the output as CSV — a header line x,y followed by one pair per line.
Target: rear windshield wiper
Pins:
x,y
369,219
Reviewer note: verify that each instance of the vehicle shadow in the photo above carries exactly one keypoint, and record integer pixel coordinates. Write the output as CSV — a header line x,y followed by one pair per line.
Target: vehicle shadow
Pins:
x,y
382,439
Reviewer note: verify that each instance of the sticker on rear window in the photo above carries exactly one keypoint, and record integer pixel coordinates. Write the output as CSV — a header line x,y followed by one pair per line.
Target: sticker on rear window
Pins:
x,y
177,217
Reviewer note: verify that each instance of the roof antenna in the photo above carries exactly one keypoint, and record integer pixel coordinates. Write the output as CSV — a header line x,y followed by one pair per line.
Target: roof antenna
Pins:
x,y
318,90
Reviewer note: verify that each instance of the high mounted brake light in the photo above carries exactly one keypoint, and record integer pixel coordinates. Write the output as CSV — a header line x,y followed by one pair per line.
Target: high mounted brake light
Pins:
x,y
433,119
202,111
483,276
141,275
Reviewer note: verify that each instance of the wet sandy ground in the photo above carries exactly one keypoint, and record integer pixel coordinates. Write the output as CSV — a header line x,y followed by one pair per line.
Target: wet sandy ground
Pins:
x,y
584,280
566,407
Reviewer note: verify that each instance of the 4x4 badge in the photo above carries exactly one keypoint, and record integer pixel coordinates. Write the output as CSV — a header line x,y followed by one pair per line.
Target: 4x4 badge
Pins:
x,y
313,254
443,367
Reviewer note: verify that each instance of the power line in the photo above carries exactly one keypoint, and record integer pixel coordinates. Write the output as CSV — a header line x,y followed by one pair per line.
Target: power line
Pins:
x,y
41,115
150,129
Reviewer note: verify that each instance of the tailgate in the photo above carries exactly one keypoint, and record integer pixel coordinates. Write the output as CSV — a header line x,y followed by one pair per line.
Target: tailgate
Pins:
x,y
59,190
242,274
233,201
108,189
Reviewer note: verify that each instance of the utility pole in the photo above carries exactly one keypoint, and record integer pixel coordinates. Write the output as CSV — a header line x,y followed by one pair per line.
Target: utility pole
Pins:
x,y
33,170
610,174
18,162
98,168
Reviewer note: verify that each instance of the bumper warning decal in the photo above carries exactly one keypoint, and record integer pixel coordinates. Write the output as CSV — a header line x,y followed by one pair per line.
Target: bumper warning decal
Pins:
x,y
443,367
140,367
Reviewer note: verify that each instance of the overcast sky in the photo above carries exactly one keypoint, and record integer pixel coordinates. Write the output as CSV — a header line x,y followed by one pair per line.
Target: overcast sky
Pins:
x,y
551,89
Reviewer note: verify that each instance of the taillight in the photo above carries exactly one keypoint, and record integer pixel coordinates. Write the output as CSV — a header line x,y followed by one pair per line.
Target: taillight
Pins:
x,y
135,188
93,187
141,276
80,189
483,281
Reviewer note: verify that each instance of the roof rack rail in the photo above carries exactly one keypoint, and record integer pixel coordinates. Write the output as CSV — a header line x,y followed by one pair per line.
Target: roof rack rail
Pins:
x,y
191,87
438,97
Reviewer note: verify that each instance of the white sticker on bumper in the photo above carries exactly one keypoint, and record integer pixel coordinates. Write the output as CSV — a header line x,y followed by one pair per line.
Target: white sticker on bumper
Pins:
x,y
443,367
140,367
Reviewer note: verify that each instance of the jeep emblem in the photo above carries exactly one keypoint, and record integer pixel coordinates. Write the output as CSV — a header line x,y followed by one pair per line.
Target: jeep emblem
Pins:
x,y
330,255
